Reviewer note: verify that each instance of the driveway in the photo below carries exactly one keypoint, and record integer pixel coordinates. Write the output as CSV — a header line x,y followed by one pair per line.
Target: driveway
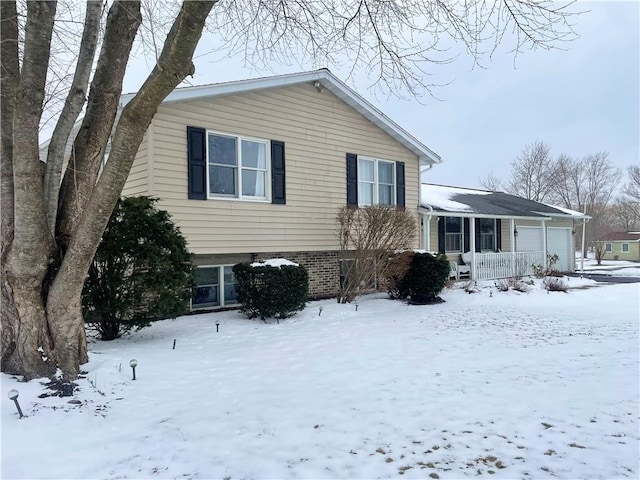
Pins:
x,y
603,276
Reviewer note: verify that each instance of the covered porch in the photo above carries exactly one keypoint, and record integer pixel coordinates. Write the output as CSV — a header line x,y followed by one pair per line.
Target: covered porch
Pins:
x,y
492,235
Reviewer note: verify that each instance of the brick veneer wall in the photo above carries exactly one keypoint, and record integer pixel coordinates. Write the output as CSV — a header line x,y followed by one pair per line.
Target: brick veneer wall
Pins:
x,y
323,268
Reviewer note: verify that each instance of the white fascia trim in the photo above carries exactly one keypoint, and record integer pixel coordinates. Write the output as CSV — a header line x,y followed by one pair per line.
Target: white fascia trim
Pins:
x,y
579,216
439,213
329,81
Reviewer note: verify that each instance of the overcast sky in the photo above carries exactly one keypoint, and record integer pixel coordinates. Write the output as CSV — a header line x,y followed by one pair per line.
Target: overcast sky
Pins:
x,y
582,100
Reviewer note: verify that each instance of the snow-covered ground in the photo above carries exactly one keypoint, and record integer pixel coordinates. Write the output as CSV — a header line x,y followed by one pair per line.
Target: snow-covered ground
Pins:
x,y
491,384
615,268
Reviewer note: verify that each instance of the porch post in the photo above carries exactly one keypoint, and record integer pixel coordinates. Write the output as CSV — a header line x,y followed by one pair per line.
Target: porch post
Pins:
x,y
512,242
544,242
426,231
472,246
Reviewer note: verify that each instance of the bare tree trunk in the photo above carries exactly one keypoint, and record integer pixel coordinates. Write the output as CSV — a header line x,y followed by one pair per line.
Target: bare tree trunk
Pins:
x,y
64,300
72,107
89,146
28,258
8,80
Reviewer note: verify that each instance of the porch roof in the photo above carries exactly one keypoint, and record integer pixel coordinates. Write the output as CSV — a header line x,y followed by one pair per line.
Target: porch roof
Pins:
x,y
456,201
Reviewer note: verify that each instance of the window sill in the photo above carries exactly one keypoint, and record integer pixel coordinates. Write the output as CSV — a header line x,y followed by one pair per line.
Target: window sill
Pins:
x,y
243,199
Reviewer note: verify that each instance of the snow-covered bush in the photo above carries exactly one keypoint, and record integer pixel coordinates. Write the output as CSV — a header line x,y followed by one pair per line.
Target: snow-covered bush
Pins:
x,y
276,288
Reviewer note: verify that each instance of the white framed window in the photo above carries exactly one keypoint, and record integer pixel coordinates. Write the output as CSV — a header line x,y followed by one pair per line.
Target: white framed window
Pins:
x,y
453,234
376,181
215,287
238,167
487,234
608,247
624,248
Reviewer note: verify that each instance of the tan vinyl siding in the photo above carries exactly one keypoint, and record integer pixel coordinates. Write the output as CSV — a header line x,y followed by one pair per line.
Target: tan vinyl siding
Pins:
x,y
318,130
617,254
138,180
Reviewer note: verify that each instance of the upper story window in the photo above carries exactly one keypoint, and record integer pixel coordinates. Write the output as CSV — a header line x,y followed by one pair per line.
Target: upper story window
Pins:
x,y
453,234
238,167
487,234
376,182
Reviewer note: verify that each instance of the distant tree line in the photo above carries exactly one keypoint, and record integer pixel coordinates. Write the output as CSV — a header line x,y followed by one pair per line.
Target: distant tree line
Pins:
x,y
592,184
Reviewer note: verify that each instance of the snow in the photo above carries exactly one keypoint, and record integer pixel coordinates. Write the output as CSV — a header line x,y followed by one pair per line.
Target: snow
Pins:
x,y
441,196
274,262
568,211
542,384
615,268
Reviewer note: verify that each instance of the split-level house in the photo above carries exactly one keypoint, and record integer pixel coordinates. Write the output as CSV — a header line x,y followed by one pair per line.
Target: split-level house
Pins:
x,y
258,169
489,235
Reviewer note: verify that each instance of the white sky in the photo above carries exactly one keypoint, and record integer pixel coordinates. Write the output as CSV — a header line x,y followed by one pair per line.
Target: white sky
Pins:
x,y
581,100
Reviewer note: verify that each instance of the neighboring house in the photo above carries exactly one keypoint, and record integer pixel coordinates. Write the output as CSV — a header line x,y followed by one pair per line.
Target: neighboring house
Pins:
x,y
256,169
621,246
496,235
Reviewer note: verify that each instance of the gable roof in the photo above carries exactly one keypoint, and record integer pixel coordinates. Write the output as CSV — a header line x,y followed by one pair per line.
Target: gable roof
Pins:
x,y
322,79
621,237
456,201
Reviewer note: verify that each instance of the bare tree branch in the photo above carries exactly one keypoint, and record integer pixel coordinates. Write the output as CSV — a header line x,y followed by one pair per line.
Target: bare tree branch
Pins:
x,y
73,105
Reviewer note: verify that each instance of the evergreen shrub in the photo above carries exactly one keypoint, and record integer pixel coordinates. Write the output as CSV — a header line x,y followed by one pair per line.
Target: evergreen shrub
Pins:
x,y
268,291
424,279
141,272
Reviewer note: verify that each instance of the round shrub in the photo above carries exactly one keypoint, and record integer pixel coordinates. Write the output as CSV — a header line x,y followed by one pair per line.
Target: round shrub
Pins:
x,y
265,290
426,278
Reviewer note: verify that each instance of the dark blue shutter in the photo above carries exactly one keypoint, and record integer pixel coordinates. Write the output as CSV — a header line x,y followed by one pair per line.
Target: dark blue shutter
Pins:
x,y
400,201
478,235
197,163
441,222
278,186
498,235
466,235
352,179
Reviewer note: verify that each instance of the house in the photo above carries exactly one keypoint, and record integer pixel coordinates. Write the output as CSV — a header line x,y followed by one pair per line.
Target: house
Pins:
x,y
493,235
621,246
256,169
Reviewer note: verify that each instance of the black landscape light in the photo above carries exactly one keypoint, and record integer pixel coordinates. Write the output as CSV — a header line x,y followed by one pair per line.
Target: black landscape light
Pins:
x,y
13,395
217,326
133,364
320,311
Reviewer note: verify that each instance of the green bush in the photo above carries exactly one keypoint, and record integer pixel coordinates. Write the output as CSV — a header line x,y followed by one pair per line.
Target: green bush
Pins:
x,y
426,278
267,291
141,272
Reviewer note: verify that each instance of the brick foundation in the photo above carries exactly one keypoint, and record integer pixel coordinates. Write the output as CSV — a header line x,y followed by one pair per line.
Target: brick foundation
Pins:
x,y
323,268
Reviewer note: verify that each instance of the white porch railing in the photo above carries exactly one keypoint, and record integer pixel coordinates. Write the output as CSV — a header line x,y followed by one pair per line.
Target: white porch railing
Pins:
x,y
489,266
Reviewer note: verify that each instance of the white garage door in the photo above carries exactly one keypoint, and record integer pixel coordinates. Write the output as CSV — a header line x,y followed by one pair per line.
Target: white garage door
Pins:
x,y
559,243
529,239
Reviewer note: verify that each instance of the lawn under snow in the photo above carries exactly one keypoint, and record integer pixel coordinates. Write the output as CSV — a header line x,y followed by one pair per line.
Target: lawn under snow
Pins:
x,y
490,384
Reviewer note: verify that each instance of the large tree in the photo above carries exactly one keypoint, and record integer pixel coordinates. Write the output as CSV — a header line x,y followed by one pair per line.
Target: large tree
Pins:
x,y
54,213
587,185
